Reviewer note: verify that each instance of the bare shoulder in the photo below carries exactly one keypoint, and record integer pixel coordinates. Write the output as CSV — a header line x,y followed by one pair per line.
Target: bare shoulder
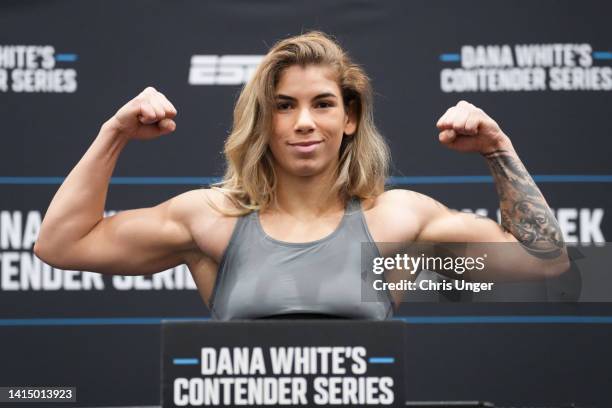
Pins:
x,y
398,215
407,200
199,210
199,202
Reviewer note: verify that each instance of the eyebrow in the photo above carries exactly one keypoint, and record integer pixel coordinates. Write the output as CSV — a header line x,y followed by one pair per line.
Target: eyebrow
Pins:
x,y
319,96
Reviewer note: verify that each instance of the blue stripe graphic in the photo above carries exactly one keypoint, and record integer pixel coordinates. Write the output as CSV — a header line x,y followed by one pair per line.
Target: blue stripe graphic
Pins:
x,y
395,180
186,361
505,319
408,319
66,57
538,178
95,321
450,57
602,55
117,180
381,360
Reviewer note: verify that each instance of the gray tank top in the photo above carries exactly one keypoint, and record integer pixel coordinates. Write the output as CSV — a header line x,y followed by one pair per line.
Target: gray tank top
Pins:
x,y
260,276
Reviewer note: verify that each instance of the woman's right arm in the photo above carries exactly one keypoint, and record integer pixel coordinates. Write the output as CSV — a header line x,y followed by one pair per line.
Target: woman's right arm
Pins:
x,y
74,233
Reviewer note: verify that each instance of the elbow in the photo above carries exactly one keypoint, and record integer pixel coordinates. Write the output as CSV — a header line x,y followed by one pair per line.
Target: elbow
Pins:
x,y
558,266
47,254
50,246
42,252
39,250
565,266
41,246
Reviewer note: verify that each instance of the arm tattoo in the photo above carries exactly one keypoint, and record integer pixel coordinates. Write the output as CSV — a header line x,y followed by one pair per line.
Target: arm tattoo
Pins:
x,y
524,212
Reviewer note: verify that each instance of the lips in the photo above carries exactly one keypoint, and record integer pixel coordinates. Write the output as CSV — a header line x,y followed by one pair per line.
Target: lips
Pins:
x,y
308,143
305,146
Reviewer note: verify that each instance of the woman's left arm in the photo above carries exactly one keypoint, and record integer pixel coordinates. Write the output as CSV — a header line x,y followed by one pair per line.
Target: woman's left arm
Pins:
x,y
526,217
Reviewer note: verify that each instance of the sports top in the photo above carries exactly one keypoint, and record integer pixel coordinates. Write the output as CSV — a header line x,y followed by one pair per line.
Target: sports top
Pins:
x,y
259,276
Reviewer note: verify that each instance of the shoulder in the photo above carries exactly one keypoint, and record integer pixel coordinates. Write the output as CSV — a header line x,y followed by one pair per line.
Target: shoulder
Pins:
x,y
407,200
202,211
199,202
199,210
400,214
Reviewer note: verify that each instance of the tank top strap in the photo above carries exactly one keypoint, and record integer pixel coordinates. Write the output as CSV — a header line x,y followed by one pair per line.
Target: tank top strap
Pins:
x,y
353,205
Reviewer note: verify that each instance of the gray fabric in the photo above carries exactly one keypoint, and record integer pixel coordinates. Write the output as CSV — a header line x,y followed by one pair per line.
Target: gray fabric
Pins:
x,y
260,276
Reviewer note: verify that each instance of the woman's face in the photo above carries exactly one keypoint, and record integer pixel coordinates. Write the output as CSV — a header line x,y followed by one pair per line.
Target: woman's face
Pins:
x,y
309,121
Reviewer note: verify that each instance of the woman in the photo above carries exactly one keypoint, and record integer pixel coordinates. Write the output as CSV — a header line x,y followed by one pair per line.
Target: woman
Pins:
x,y
304,186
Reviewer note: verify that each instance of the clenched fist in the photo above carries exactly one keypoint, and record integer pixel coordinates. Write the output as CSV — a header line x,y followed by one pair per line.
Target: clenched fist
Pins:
x,y
466,128
147,116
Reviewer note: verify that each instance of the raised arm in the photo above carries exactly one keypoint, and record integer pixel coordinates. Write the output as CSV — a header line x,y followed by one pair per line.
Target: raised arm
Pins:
x,y
526,218
75,235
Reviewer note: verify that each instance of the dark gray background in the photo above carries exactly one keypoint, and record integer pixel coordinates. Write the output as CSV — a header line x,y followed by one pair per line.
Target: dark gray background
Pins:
x,y
124,46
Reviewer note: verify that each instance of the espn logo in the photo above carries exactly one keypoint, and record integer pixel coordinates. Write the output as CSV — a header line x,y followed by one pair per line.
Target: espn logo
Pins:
x,y
222,69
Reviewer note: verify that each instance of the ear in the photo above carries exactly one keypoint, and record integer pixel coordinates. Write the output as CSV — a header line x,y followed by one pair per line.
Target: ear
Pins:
x,y
350,119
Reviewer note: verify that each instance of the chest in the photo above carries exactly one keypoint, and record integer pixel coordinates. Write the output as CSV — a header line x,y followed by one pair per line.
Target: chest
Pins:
x,y
384,224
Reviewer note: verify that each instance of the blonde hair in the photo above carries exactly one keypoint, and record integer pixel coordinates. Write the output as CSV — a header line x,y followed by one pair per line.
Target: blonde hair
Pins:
x,y
250,181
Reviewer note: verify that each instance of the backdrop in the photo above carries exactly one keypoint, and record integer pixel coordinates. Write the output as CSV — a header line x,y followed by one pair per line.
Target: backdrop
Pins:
x,y
542,70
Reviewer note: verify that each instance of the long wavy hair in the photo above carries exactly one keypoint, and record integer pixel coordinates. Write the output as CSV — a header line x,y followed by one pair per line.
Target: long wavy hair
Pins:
x,y
250,180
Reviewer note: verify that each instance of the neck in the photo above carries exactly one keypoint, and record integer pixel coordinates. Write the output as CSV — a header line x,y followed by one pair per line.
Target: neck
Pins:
x,y
307,197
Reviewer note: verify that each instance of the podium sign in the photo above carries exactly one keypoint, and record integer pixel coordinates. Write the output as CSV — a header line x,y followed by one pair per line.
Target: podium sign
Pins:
x,y
308,363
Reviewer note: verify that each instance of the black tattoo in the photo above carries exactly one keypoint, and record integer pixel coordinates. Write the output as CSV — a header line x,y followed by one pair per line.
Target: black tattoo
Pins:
x,y
524,212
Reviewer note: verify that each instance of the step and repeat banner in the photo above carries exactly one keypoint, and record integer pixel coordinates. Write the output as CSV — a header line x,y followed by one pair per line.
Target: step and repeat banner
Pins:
x,y
542,70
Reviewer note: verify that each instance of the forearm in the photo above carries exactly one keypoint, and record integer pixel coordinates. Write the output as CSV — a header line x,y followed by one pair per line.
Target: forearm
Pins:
x,y
79,202
524,211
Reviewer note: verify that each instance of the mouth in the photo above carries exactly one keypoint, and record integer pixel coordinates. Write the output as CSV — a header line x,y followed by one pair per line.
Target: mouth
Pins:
x,y
306,143
305,146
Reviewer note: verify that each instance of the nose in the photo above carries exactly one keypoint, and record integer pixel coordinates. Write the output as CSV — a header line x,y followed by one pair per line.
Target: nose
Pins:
x,y
304,122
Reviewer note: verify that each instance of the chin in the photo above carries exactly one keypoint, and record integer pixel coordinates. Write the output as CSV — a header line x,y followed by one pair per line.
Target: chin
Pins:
x,y
305,169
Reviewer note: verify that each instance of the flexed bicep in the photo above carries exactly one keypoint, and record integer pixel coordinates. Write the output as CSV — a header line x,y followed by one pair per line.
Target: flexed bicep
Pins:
x,y
132,242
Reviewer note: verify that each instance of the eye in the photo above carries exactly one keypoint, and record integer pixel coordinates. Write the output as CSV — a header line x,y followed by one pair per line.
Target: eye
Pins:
x,y
324,104
283,106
